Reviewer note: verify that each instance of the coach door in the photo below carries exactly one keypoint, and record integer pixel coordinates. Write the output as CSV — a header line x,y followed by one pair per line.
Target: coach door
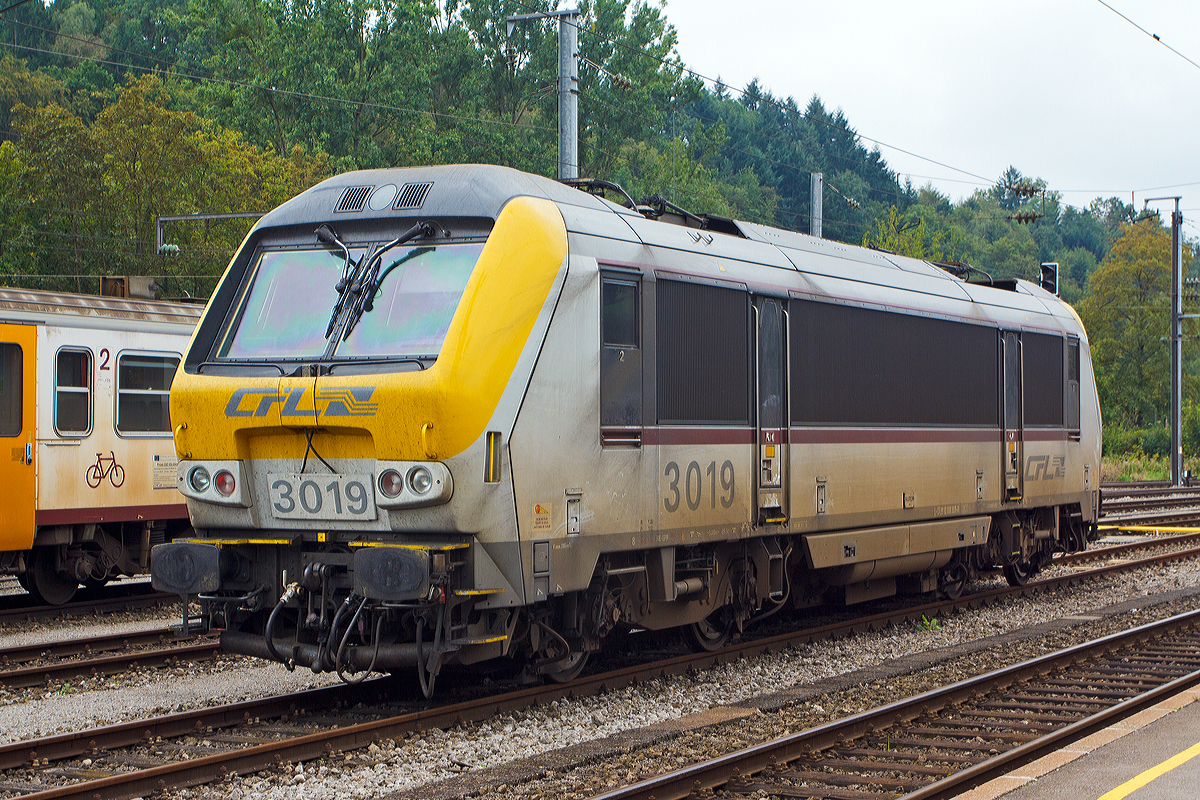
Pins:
x,y
1014,435
18,408
771,402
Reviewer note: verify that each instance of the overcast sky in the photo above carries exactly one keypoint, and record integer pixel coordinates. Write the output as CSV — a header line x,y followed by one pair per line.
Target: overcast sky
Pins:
x,y
1064,90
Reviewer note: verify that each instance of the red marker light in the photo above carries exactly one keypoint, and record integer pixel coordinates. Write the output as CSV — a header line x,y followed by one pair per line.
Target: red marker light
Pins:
x,y
391,483
225,482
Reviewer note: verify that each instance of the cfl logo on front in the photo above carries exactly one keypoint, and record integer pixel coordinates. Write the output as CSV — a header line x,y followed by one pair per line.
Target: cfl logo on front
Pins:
x,y
331,401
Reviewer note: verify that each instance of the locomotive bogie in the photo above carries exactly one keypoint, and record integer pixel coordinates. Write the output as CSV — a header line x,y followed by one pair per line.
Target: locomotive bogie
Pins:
x,y
620,423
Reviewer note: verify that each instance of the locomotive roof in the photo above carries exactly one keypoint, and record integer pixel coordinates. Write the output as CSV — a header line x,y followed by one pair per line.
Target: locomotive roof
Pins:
x,y
89,310
468,192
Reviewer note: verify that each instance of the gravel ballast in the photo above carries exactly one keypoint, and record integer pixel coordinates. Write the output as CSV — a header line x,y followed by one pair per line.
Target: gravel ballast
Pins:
x,y
576,747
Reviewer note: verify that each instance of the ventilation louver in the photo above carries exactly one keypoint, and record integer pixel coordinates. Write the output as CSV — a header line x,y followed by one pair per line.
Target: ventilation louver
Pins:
x,y
412,196
353,199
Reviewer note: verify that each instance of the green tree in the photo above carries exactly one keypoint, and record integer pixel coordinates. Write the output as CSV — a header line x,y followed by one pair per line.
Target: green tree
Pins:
x,y
905,237
20,85
1126,319
77,32
92,192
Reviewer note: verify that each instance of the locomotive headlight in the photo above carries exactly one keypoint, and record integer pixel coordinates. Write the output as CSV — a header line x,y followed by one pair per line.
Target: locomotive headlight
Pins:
x,y
199,479
412,484
225,482
391,483
420,480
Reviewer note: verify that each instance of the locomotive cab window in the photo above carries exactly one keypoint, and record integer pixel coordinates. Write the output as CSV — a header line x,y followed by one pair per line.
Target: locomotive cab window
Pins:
x,y
620,352
286,308
73,392
143,392
11,389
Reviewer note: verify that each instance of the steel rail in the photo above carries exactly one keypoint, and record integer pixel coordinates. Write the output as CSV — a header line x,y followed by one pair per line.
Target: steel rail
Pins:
x,y
1114,507
62,648
19,610
254,758
43,674
1151,517
1125,489
716,772
1123,549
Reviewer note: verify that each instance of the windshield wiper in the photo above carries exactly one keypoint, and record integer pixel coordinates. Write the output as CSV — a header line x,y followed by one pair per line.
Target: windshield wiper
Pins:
x,y
326,235
367,281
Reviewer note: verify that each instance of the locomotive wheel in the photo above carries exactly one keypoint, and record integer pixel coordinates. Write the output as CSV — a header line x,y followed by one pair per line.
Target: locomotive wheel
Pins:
x,y
953,580
569,668
46,583
711,633
1018,574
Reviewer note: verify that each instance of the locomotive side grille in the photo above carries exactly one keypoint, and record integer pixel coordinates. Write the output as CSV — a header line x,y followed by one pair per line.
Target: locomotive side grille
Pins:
x,y
703,354
412,196
353,199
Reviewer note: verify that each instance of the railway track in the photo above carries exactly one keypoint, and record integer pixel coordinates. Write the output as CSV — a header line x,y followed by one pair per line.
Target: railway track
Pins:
x,y
940,743
1107,485
107,600
195,747
1124,506
56,661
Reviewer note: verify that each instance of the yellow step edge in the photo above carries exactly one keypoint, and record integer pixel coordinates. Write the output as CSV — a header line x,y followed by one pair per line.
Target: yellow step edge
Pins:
x,y
434,547
491,640
221,542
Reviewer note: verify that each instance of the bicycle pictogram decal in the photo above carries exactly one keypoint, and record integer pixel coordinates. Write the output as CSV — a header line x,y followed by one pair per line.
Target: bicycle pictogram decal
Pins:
x,y
99,471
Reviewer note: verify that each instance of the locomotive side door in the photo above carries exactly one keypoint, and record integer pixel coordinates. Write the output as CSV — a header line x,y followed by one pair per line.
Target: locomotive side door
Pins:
x,y
771,398
18,413
1012,445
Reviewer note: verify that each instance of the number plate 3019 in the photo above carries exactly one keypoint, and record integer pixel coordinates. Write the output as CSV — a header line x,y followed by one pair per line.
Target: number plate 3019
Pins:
x,y
316,496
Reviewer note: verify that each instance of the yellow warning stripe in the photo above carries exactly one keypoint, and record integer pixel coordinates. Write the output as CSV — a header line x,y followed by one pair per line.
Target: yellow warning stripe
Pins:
x,y
1131,786
476,592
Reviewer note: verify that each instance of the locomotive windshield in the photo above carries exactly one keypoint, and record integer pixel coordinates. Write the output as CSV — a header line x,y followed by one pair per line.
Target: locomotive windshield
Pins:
x,y
284,312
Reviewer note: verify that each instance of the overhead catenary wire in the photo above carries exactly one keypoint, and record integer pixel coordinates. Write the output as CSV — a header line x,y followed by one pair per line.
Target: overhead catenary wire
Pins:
x,y
771,101
336,101
788,108
1153,36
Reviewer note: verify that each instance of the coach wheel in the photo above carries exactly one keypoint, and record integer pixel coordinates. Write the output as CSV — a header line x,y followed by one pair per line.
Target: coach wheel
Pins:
x,y
711,633
569,668
46,583
953,580
1018,574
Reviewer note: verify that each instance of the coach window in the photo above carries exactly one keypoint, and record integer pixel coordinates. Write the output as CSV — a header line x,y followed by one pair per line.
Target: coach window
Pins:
x,y
620,351
143,391
11,389
73,392
1073,384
